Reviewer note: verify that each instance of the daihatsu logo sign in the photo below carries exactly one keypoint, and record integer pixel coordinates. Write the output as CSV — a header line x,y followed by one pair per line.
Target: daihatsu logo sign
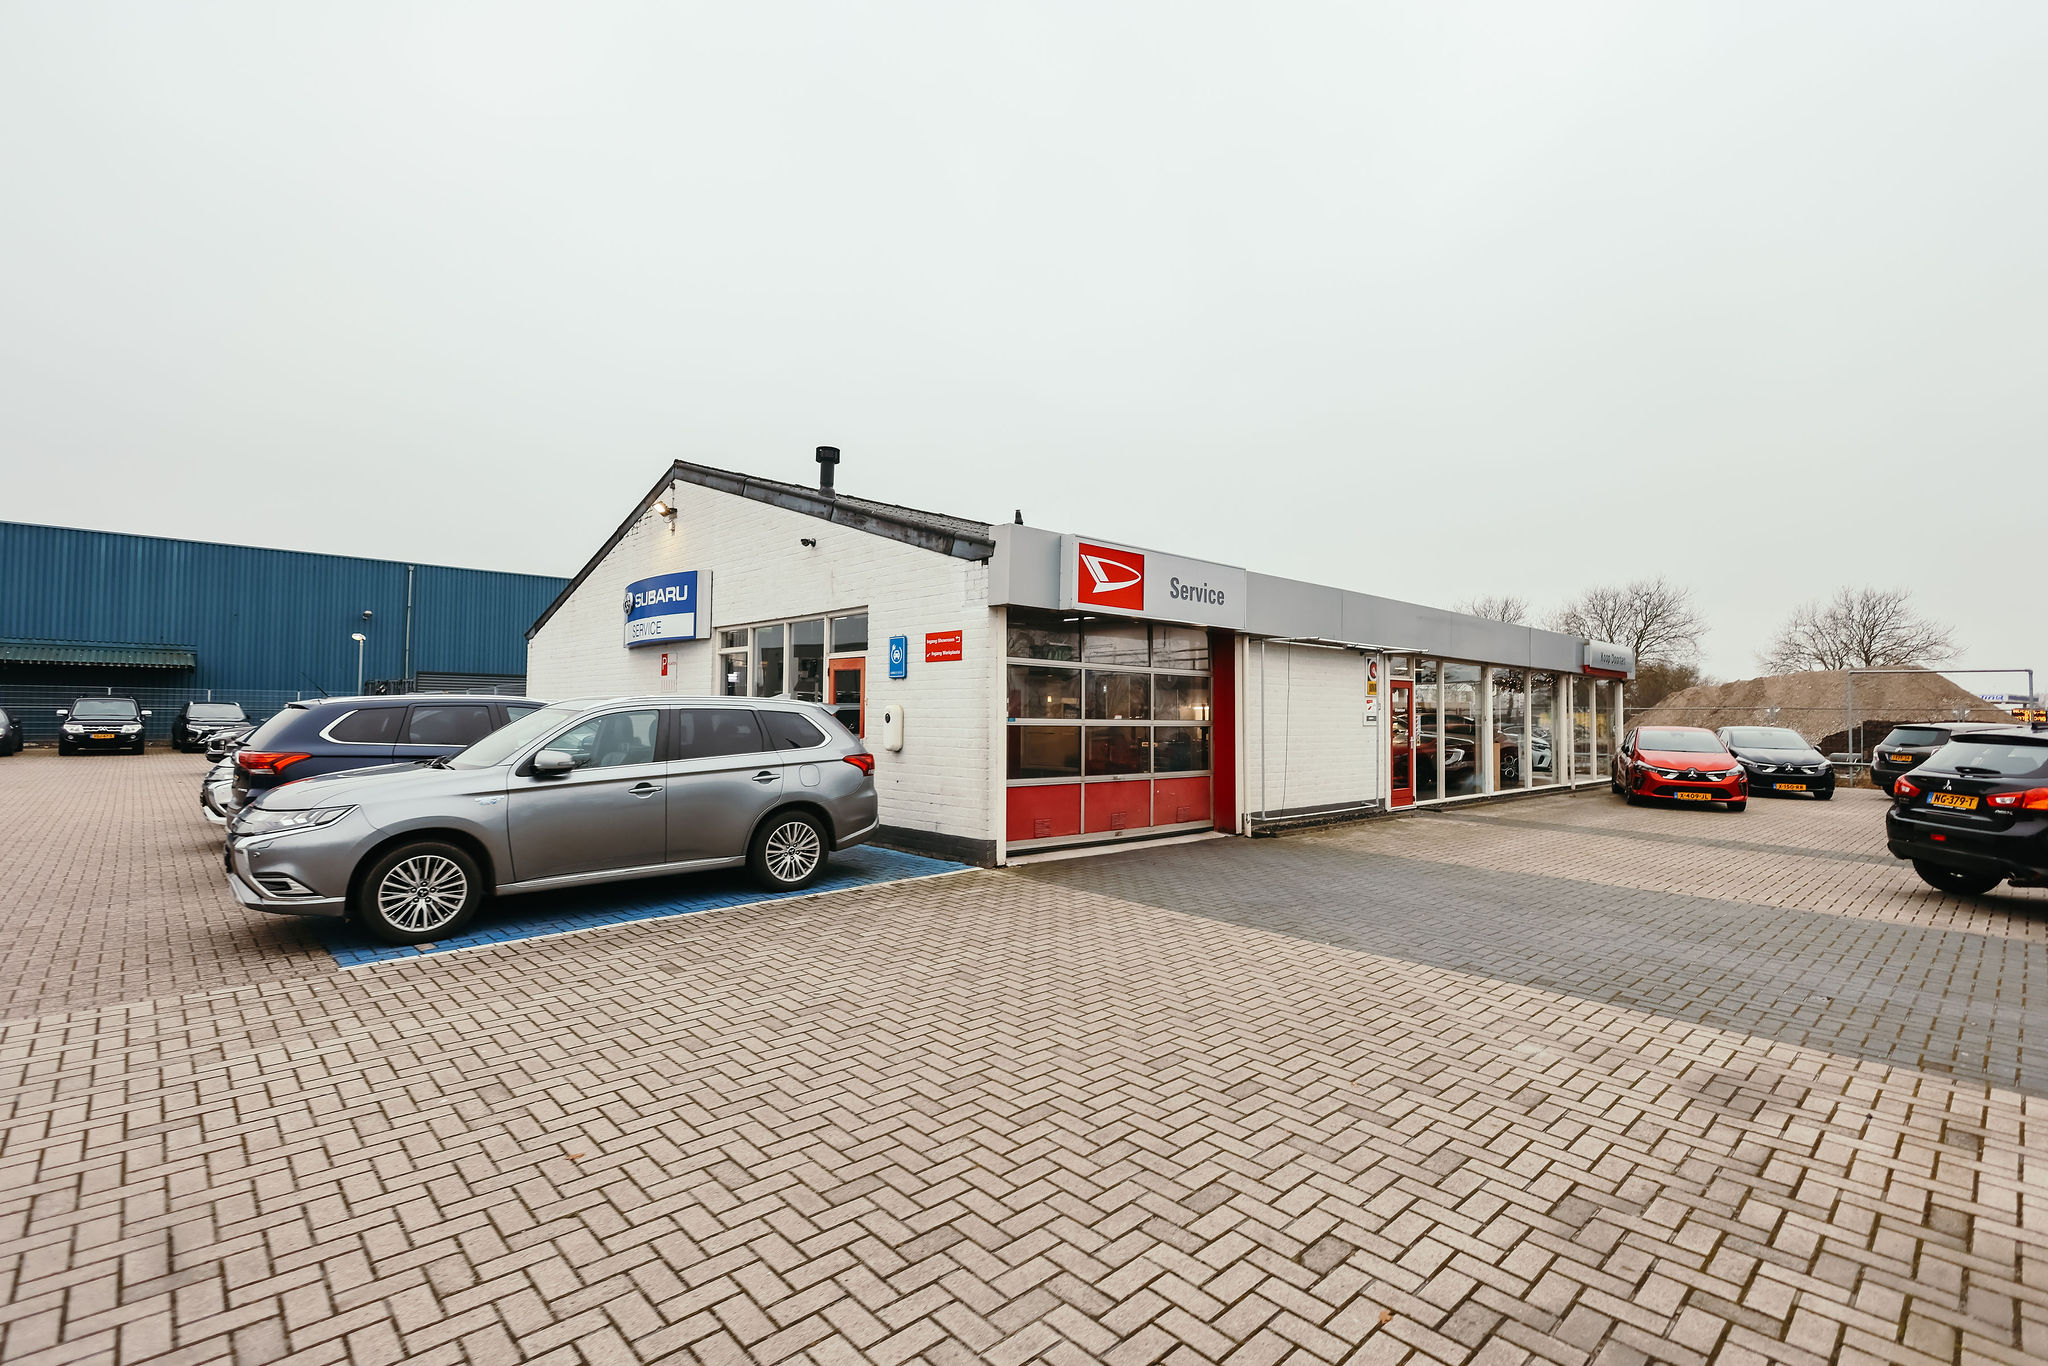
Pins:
x,y
1111,578
1146,583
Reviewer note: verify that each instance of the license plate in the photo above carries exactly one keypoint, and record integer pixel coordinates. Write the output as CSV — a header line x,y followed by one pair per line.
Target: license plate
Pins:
x,y
1791,787
1901,758
1954,801
1694,796
103,735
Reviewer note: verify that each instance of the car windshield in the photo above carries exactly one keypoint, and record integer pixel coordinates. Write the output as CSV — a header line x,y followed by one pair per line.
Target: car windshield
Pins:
x,y
103,709
216,711
1993,757
1766,737
1681,741
500,745
1914,735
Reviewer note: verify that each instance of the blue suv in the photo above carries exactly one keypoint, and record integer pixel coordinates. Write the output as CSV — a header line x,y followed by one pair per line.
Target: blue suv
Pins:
x,y
336,733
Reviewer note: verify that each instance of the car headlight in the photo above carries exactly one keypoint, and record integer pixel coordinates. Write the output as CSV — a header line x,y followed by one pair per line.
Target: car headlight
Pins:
x,y
1662,772
1761,768
258,821
132,725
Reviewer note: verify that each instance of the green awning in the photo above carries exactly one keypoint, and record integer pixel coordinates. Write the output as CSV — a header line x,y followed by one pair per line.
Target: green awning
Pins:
x,y
98,652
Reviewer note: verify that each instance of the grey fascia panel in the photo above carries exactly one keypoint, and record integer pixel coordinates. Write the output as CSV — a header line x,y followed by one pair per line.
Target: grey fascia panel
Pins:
x,y
1291,608
1025,570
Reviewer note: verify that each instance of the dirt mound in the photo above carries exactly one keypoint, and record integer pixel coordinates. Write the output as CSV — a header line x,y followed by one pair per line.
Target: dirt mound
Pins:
x,y
1817,704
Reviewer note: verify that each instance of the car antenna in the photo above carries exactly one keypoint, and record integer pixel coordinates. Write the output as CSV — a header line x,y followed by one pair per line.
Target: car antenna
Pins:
x,y
316,687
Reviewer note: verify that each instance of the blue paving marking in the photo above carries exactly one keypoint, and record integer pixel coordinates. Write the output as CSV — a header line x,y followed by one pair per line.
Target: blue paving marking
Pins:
x,y
619,903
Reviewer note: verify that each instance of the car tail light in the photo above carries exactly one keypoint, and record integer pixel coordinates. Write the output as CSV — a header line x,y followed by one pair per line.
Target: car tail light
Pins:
x,y
864,762
266,761
2033,799
1902,788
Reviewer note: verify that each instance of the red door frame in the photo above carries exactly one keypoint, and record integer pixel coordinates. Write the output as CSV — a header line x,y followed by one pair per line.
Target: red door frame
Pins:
x,y
855,666
1401,703
1223,730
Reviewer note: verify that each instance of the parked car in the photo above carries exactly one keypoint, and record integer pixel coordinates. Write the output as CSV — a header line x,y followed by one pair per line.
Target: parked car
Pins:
x,y
108,724
1976,813
196,720
217,799
1905,748
576,793
10,735
226,740
333,734
1677,763
1778,761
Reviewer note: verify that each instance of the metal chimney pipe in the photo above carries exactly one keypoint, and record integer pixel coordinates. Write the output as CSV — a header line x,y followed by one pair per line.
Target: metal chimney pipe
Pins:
x,y
828,456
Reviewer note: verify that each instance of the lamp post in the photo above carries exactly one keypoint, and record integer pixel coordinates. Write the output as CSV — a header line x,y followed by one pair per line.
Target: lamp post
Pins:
x,y
358,637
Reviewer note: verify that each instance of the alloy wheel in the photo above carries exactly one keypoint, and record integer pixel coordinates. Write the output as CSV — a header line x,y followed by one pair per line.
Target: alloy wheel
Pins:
x,y
422,893
792,851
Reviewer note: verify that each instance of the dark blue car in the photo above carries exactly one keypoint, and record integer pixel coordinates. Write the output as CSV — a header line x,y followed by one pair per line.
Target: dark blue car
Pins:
x,y
336,733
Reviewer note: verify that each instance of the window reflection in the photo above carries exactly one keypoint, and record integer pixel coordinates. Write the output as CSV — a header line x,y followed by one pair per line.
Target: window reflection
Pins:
x,y
1510,711
1180,749
1119,696
1458,685
1180,647
1044,694
1044,751
1428,737
1181,697
1042,635
1543,725
1118,749
1105,642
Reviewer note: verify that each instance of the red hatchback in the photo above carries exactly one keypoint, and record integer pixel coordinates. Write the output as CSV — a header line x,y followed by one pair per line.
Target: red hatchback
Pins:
x,y
1678,763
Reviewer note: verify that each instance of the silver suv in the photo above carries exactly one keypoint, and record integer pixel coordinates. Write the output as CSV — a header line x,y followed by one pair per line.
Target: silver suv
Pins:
x,y
575,793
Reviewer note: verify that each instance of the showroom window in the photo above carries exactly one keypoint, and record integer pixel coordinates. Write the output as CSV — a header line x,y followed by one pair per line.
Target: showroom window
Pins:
x,y
1105,698
788,658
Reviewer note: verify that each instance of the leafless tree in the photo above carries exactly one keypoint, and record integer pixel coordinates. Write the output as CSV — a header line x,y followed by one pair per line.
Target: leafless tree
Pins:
x,y
1859,628
1502,607
1654,618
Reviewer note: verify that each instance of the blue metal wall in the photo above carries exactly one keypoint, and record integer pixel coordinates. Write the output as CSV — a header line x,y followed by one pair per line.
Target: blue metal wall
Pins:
x,y
262,618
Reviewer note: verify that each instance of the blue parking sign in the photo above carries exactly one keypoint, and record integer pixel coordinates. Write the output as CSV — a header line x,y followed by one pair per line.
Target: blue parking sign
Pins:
x,y
899,656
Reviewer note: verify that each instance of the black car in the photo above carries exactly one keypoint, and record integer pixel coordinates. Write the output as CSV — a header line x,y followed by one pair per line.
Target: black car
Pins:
x,y
1779,762
1905,748
10,735
195,720
111,725
1976,814
330,734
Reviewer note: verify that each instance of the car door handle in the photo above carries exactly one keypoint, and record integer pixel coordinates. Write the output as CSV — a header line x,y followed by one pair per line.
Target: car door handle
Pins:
x,y
644,789
766,775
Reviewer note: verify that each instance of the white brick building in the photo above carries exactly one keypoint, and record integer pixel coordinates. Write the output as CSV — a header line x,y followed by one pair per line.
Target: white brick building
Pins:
x,y
1051,690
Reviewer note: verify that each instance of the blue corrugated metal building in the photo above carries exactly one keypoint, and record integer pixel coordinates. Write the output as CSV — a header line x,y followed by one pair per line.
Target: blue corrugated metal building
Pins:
x,y
104,609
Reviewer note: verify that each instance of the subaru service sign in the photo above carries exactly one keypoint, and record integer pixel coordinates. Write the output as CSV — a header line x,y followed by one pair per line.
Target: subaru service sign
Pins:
x,y
669,607
1097,576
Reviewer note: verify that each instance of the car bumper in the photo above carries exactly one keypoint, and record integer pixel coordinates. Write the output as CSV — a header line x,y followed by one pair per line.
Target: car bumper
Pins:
x,y
859,836
264,878
1679,790
1790,784
87,742
2019,853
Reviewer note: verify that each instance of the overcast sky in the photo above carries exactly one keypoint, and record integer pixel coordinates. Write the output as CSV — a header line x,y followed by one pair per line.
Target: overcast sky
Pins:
x,y
1426,300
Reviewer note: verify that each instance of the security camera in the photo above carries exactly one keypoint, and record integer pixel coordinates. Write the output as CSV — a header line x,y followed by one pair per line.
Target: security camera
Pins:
x,y
366,614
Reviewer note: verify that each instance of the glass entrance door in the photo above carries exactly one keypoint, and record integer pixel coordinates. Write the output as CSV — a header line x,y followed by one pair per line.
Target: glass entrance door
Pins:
x,y
848,694
1401,731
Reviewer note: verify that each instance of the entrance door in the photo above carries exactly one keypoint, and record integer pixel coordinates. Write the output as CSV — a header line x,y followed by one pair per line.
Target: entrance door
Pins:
x,y
847,693
1401,731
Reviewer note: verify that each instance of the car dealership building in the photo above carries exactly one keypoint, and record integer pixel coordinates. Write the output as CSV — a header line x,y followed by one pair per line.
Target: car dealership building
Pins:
x,y
1027,689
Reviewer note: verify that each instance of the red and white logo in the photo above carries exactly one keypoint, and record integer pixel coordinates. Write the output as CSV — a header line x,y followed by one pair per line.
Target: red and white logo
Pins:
x,y
1111,578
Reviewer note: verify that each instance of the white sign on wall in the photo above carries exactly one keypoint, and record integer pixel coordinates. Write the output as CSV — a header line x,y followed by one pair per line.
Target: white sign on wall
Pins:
x,y
1098,576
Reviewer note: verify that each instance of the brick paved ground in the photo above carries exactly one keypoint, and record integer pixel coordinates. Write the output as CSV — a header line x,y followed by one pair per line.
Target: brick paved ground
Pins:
x,y
1546,1081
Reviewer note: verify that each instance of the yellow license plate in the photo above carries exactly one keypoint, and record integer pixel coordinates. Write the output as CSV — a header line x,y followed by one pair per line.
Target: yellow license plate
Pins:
x,y
1902,758
1955,801
103,735
1694,796
1791,787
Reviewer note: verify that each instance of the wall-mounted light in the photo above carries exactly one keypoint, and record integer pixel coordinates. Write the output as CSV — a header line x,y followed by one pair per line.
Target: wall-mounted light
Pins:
x,y
810,541
662,509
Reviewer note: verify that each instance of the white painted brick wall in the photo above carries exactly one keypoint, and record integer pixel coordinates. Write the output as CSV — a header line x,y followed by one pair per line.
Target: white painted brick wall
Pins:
x,y
760,572
1304,741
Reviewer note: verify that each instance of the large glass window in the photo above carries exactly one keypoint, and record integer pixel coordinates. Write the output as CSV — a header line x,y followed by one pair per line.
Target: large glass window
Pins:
x,y
1180,697
1180,749
1044,752
769,659
1428,734
1107,642
1510,712
1119,696
1603,726
807,653
1543,727
850,635
732,668
1118,750
1180,647
1044,694
1459,686
1034,636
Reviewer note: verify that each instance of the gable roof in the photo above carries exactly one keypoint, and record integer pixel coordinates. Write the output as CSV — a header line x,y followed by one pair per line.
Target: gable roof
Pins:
x,y
960,537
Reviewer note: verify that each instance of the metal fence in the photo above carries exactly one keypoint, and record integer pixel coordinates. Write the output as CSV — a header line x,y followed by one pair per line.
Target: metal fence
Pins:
x,y
34,706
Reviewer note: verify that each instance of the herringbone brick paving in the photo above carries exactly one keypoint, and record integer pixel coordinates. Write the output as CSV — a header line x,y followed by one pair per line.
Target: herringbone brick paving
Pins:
x,y
1017,1117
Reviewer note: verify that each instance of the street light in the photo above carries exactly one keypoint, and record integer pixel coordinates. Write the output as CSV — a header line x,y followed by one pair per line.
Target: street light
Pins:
x,y
358,637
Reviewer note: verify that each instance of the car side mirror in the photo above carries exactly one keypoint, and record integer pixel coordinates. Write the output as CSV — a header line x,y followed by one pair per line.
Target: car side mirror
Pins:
x,y
62,712
146,712
553,763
